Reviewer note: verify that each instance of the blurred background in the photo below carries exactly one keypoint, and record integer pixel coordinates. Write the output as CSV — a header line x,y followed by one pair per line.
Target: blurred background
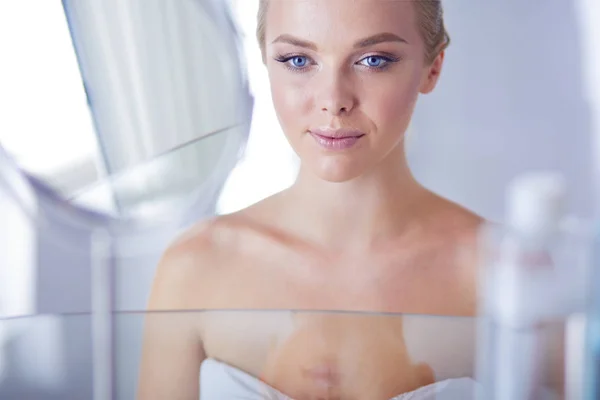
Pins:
x,y
517,93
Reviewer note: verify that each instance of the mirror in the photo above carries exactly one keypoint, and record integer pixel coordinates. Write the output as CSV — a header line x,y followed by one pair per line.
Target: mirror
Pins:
x,y
143,112
169,108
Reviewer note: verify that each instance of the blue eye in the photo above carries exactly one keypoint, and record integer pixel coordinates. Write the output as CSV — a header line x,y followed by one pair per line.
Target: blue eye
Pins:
x,y
299,61
293,62
374,61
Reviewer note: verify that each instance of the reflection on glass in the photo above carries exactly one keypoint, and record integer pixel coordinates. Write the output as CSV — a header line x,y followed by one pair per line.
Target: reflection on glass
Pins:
x,y
166,181
252,354
46,357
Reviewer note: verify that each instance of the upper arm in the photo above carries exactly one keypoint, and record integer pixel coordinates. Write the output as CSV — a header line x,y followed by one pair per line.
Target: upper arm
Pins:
x,y
172,350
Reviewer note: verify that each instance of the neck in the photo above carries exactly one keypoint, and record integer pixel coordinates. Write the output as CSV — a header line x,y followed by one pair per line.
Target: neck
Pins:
x,y
355,214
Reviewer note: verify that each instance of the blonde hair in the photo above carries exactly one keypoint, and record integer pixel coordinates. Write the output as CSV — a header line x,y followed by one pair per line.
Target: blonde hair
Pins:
x,y
430,18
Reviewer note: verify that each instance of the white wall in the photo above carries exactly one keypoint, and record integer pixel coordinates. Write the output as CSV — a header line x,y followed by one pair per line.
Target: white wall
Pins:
x,y
511,98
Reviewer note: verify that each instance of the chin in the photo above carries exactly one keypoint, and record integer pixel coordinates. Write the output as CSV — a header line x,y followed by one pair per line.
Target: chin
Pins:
x,y
337,171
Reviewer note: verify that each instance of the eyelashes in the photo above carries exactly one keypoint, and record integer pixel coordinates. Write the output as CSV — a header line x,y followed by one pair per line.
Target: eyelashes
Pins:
x,y
302,63
291,61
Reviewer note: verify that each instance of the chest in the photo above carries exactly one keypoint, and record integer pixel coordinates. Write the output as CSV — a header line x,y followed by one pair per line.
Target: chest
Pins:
x,y
416,285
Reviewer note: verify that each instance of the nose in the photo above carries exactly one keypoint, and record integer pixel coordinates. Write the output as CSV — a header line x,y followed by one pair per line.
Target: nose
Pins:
x,y
336,95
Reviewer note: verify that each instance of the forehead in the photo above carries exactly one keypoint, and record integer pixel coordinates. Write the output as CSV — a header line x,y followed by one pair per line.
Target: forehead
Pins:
x,y
341,21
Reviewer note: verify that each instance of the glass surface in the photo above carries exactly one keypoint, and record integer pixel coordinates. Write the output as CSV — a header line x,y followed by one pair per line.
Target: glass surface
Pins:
x,y
158,189
46,357
249,354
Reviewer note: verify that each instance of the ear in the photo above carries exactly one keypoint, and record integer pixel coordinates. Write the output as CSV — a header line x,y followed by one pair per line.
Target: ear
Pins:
x,y
432,74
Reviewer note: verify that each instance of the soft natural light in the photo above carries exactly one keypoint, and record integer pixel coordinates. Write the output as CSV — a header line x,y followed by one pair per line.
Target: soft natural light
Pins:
x,y
269,164
46,123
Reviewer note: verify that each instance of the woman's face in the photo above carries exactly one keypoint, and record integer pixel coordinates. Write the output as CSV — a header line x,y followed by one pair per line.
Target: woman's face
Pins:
x,y
345,76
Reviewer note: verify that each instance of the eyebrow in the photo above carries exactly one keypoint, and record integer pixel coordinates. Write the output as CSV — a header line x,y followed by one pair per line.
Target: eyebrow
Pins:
x,y
285,38
366,42
379,38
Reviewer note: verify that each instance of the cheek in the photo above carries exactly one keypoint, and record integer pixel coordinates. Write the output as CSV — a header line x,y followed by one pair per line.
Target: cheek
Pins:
x,y
397,107
291,98
390,105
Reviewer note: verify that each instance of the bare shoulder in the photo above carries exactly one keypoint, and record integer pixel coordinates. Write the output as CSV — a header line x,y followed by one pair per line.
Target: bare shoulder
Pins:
x,y
462,227
459,228
203,256
191,259
457,236
456,222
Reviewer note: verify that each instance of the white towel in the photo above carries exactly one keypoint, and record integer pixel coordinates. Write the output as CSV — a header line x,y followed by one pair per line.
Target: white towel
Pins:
x,y
220,381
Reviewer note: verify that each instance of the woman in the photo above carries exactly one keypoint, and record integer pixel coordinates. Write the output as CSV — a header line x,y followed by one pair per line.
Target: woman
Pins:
x,y
356,232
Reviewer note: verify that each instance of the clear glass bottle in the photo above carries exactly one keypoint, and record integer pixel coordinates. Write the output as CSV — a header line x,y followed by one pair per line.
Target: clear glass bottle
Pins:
x,y
531,279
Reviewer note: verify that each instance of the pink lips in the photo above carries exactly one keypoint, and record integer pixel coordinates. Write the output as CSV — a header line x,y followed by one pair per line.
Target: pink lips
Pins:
x,y
336,139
